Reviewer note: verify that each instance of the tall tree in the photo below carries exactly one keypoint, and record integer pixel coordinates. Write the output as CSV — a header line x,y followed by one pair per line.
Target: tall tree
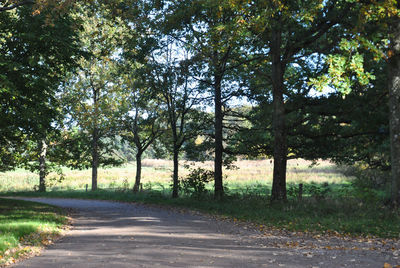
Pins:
x,y
35,56
285,32
142,119
42,155
212,32
180,97
378,32
346,130
89,96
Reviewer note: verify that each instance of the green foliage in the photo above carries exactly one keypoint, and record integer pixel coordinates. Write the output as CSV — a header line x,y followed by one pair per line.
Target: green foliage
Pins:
x,y
74,150
36,51
318,192
342,68
369,185
91,98
194,184
310,190
366,177
142,118
124,187
293,191
156,68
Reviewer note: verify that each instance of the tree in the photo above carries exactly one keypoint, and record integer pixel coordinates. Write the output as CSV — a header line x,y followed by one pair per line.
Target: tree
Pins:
x,y
38,5
142,122
346,130
10,5
42,155
212,32
286,32
35,56
394,103
377,30
90,95
180,96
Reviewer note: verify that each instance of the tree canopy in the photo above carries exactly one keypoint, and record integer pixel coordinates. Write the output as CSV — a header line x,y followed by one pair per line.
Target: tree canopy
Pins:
x,y
282,79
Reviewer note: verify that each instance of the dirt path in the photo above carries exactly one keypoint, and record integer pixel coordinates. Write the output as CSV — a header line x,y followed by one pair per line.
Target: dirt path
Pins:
x,y
111,234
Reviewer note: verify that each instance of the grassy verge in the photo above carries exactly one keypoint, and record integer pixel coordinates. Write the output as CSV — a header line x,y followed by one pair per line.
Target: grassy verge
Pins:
x,y
25,227
315,214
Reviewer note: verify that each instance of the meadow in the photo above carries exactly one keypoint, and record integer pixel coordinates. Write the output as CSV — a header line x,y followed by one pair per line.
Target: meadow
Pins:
x,y
156,174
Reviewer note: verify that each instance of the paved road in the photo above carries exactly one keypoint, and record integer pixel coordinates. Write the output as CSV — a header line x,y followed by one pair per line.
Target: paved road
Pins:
x,y
111,234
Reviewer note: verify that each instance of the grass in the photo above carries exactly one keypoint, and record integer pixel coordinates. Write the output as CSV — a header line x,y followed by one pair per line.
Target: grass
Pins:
x,y
158,172
25,227
330,204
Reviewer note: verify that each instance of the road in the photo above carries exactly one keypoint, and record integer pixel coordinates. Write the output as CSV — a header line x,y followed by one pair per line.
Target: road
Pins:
x,y
112,234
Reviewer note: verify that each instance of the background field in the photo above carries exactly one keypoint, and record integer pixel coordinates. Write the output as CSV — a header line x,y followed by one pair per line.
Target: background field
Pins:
x,y
156,174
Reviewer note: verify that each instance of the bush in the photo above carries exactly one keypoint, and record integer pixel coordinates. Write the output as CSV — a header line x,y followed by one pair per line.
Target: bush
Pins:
x,y
369,185
319,192
293,191
367,177
195,183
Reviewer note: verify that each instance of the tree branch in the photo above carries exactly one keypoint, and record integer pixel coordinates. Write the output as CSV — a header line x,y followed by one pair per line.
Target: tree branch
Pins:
x,y
15,5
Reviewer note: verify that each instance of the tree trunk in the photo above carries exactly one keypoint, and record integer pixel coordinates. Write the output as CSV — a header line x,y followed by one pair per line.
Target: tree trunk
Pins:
x,y
138,172
42,166
278,120
394,109
95,158
175,180
218,185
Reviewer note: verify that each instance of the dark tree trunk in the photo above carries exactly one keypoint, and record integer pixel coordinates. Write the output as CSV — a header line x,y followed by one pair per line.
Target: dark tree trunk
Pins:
x,y
42,166
138,172
218,185
95,158
394,109
278,120
175,178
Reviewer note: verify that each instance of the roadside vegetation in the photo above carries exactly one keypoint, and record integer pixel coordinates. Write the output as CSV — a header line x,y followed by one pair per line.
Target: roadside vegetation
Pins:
x,y
25,227
334,200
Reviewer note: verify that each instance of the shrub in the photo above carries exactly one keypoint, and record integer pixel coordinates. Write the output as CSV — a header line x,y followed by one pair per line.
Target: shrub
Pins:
x,y
364,177
194,184
316,191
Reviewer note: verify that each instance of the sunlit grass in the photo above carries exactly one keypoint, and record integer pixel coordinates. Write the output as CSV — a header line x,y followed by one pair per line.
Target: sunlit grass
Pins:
x,y
25,226
158,172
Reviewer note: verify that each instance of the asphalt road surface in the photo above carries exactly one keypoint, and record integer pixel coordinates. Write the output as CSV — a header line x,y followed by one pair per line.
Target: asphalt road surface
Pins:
x,y
112,234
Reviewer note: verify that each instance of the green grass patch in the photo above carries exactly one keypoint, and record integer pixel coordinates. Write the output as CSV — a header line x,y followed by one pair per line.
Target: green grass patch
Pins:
x,y
24,226
323,209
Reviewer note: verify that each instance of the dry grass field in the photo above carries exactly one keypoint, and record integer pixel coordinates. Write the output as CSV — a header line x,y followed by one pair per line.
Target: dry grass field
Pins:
x,y
157,173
